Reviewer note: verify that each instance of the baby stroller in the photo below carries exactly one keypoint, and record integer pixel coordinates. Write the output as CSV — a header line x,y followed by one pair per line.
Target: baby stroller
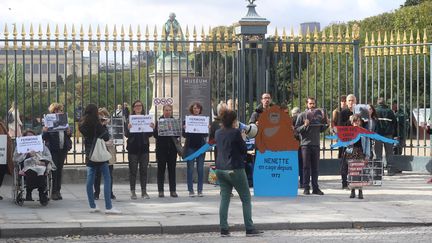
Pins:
x,y
32,171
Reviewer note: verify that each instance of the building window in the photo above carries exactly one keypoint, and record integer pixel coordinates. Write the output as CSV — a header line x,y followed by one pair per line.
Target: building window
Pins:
x,y
44,85
53,68
35,68
61,68
53,84
44,68
35,85
27,68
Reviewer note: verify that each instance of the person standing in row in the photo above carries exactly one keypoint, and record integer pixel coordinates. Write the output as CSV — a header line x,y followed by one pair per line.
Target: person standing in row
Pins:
x,y
138,147
345,115
386,126
91,129
59,143
166,155
230,171
105,120
309,125
194,141
9,166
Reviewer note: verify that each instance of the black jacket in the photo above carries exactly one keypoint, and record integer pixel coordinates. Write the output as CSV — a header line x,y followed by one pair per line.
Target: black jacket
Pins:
x,y
137,143
89,133
231,149
52,141
164,143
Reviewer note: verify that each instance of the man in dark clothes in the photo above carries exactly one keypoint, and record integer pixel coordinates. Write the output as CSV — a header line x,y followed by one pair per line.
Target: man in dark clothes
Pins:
x,y
386,127
265,103
344,120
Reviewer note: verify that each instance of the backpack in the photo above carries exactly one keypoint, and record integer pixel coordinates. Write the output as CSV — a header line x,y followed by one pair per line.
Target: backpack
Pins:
x,y
10,117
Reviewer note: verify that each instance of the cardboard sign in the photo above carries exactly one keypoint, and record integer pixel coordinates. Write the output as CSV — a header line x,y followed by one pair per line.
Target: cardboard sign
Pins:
x,y
140,123
348,133
3,149
197,124
276,174
27,144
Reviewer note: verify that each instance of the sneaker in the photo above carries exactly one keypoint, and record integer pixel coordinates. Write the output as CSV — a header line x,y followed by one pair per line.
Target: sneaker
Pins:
x,y
95,209
306,192
43,199
161,194
112,211
253,232
145,195
173,194
113,197
317,192
96,196
55,196
200,194
225,233
360,194
191,194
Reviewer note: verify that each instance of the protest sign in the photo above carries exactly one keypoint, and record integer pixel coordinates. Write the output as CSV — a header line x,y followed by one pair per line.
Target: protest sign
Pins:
x,y
276,173
195,89
27,144
140,123
56,122
3,149
116,129
197,124
169,127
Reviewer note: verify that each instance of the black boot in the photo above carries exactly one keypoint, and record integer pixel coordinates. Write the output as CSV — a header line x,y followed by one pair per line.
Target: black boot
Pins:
x,y
360,194
352,193
43,198
29,195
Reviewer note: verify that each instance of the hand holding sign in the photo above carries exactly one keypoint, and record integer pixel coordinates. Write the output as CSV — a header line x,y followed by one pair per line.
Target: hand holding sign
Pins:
x,y
140,123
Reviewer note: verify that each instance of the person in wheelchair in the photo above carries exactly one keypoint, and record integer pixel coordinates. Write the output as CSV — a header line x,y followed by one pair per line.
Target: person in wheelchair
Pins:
x,y
35,167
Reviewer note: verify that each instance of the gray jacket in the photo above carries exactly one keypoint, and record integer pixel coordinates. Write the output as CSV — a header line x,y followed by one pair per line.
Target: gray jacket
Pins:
x,y
309,135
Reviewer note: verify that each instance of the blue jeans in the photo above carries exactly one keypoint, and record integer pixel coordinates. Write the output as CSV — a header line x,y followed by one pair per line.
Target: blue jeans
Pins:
x,y
91,172
200,169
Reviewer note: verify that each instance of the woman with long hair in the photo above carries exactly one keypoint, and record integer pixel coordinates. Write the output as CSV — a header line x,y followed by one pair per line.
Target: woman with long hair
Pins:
x,y
194,141
138,147
14,121
91,129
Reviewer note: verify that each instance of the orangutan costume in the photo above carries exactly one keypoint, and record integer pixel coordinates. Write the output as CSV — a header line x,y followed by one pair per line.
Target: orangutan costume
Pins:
x,y
275,131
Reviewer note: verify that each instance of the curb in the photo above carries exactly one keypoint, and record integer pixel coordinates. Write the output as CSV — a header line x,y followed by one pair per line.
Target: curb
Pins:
x,y
123,228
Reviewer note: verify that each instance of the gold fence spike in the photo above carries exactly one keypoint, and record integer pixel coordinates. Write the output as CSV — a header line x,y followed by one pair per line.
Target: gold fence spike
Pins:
x,y
284,40
138,35
331,39
315,39
372,44
379,49
398,42
122,37
323,39
81,34
347,40
65,37
367,47
178,38
155,37
40,34
386,52
48,36
339,40
405,41
291,37
15,34
31,37
203,47
308,46
6,35
98,36
226,38
425,47
300,41
57,35
218,39
418,48
106,38
171,38
194,36
233,39
131,46
90,38
355,31
411,40
114,38
276,38
210,39
392,49
23,36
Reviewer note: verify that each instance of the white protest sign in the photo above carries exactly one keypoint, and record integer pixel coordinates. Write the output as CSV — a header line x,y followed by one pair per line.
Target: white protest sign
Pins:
x,y
140,123
3,149
197,124
49,120
29,143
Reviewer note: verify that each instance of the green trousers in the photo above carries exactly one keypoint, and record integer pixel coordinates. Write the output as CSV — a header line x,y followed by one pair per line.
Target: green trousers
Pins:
x,y
237,179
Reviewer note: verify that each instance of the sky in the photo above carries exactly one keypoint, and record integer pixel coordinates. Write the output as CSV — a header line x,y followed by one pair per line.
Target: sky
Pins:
x,y
281,13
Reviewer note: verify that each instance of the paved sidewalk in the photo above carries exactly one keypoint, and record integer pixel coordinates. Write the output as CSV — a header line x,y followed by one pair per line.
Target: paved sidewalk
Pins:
x,y
403,200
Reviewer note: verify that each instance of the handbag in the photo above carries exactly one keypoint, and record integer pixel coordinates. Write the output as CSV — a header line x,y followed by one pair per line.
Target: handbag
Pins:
x,y
178,146
99,152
